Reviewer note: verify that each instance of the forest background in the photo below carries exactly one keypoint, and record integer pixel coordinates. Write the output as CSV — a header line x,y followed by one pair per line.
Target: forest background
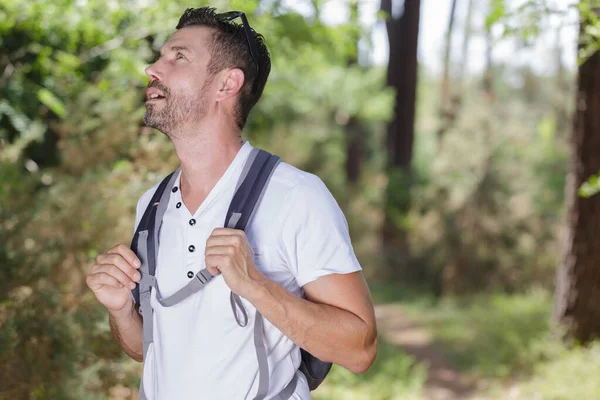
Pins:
x,y
464,154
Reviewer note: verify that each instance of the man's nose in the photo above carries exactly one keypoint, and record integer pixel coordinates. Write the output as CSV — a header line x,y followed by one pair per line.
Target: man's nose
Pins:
x,y
153,72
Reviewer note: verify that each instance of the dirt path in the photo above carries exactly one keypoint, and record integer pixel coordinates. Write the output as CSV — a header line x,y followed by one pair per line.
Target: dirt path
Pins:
x,y
444,382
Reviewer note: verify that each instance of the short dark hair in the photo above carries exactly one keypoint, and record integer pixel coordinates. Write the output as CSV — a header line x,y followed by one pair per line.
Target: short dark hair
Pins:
x,y
229,49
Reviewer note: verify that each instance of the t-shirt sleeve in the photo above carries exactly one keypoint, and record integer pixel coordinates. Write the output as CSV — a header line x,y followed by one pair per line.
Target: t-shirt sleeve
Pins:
x,y
314,237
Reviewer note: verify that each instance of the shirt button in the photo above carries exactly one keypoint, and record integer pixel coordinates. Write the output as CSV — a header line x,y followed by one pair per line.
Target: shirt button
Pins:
x,y
190,274
178,205
174,189
192,222
192,248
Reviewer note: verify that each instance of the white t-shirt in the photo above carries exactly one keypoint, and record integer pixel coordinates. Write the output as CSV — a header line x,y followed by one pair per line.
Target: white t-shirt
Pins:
x,y
298,234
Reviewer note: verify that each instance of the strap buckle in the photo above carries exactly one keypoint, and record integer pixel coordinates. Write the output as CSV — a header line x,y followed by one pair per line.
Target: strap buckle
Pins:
x,y
204,279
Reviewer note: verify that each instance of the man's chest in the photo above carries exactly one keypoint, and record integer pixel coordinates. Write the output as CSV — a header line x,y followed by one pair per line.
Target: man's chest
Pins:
x,y
182,249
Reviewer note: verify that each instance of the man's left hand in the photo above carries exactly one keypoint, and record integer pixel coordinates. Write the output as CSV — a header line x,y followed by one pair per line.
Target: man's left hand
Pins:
x,y
229,252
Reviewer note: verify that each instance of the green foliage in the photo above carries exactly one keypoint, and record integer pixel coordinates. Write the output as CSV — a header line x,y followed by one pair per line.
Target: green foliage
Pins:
x,y
524,20
590,187
568,376
393,376
589,41
488,199
493,336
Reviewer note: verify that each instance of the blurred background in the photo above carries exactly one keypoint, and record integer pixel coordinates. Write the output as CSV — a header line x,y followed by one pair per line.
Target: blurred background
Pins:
x,y
460,137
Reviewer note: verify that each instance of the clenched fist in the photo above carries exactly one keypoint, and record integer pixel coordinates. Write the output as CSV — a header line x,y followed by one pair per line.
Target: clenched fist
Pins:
x,y
113,276
228,252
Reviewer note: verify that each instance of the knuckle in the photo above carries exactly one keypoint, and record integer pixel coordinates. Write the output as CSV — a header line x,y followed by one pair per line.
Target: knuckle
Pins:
x,y
114,270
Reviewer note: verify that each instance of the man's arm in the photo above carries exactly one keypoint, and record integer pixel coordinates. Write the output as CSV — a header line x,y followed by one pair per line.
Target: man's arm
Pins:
x,y
111,279
336,323
126,327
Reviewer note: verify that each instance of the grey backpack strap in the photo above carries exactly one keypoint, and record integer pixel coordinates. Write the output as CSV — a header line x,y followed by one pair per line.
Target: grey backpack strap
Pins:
x,y
144,244
250,190
261,354
194,286
288,391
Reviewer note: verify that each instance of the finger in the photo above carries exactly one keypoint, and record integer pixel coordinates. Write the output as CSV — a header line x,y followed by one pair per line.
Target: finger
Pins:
x,y
221,251
118,261
127,254
214,271
222,231
96,281
217,262
116,273
225,240
227,232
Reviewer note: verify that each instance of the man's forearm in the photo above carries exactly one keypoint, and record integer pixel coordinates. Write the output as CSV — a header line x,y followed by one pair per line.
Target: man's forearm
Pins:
x,y
329,333
126,327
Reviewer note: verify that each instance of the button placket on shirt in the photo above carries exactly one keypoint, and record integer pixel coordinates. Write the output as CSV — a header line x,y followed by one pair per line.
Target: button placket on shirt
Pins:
x,y
191,253
190,236
190,250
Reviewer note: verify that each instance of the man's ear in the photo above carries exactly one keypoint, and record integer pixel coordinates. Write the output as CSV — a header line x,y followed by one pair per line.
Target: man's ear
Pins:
x,y
230,83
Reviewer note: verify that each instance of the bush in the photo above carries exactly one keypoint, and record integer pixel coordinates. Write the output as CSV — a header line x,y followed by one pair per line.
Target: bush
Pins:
x,y
493,336
555,379
393,376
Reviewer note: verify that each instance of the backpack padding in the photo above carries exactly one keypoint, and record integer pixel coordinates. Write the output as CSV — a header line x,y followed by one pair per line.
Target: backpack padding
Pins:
x,y
251,190
148,217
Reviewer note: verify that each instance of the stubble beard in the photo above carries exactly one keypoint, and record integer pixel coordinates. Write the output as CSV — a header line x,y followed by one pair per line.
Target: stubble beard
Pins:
x,y
177,111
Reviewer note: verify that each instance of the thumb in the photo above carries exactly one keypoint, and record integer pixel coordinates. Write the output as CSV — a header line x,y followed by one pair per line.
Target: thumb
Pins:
x,y
214,271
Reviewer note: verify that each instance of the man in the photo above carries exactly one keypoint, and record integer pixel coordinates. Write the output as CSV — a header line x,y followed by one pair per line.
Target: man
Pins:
x,y
295,264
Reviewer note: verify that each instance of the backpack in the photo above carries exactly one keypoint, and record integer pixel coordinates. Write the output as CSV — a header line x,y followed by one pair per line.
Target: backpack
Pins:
x,y
255,177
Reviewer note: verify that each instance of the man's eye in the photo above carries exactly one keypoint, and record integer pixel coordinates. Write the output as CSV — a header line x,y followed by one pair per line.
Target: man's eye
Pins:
x,y
180,56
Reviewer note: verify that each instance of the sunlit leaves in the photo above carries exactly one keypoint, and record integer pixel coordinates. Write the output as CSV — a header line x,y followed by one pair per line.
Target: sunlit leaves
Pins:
x,y
589,41
48,98
497,11
591,187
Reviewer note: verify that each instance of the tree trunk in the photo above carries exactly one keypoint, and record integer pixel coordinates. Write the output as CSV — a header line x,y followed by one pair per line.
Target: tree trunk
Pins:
x,y
561,110
403,33
488,77
354,130
465,44
446,112
354,149
578,277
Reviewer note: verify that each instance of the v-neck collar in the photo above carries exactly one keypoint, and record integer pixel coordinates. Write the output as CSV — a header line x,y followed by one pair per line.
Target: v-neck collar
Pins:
x,y
232,171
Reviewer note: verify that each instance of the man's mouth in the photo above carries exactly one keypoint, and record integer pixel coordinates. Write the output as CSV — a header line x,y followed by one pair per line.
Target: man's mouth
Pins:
x,y
153,94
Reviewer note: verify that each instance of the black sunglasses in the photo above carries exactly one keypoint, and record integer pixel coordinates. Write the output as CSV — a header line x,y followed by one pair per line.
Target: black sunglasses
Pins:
x,y
250,38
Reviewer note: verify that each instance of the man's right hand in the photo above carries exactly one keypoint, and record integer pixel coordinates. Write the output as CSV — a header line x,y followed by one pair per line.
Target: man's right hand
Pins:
x,y
113,277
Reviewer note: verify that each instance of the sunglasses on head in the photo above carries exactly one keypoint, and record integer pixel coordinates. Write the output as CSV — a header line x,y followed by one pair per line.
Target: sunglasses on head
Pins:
x,y
250,38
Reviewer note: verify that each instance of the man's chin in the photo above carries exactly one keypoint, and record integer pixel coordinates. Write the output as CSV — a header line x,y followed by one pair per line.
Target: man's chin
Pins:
x,y
153,122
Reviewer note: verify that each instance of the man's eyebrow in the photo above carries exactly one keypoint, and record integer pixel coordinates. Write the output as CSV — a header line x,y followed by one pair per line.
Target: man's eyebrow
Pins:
x,y
179,48
176,48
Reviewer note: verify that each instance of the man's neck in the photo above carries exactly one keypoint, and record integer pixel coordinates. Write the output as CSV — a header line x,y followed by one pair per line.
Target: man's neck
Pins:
x,y
204,157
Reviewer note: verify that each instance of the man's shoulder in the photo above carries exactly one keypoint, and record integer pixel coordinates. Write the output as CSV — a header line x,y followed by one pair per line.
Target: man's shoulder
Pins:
x,y
146,196
299,193
290,180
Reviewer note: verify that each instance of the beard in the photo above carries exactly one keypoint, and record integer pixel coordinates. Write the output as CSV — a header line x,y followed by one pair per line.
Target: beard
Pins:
x,y
178,110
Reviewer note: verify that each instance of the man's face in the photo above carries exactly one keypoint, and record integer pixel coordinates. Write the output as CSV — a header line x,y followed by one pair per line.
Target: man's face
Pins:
x,y
179,89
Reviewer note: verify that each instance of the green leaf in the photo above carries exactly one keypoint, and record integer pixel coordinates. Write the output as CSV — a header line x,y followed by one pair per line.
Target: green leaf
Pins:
x,y
497,11
591,187
52,102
